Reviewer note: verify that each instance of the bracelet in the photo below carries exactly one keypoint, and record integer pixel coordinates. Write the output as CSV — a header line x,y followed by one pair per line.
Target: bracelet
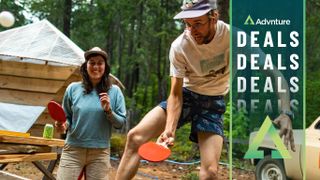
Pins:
x,y
288,113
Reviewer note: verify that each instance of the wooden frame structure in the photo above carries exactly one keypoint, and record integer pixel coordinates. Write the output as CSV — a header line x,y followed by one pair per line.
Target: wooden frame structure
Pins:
x,y
31,149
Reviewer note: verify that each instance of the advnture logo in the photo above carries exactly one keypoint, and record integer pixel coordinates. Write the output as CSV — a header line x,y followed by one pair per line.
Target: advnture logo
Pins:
x,y
249,21
267,22
281,151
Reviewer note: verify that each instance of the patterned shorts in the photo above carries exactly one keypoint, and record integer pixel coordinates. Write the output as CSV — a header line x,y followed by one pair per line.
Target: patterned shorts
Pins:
x,y
204,112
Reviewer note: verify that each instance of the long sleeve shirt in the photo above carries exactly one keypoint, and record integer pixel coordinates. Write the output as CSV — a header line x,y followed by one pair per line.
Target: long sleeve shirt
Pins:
x,y
88,124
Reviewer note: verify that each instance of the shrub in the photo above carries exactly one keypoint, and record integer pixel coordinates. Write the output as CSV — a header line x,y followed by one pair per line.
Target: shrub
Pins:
x,y
190,176
118,142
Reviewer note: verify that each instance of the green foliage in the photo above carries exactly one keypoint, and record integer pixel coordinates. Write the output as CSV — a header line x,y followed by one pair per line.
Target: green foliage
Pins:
x,y
118,142
48,9
190,176
313,36
240,131
226,121
184,149
241,163
313,100
313,63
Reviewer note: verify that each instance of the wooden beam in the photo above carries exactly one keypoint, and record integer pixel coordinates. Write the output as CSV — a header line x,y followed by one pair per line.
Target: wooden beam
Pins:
x,y
32,141
9,148
36,70
9,158
25,98
45,118
30,84
9,176
13,133
48,174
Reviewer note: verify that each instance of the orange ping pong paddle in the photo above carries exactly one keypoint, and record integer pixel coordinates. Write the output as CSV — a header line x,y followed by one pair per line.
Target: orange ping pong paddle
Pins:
x,y
154,152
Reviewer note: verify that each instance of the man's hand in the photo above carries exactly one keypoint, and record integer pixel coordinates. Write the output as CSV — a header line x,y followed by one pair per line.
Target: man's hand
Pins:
x,y
167,138
285,125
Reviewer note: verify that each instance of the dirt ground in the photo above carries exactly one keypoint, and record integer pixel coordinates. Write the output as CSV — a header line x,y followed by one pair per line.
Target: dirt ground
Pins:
x,y
146,171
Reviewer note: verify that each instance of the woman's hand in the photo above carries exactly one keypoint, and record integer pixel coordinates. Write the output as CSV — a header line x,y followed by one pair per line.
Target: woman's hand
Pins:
x,y
105,102
60,127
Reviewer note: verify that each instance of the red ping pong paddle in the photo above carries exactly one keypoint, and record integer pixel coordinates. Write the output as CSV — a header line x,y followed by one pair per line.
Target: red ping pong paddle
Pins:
x,y
154,152
56,111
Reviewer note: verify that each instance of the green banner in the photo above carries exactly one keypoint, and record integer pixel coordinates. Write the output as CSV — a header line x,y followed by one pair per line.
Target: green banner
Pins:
x,y
267,80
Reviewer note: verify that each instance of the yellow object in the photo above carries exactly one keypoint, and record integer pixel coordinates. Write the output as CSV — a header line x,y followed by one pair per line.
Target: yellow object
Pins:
x,y
13,133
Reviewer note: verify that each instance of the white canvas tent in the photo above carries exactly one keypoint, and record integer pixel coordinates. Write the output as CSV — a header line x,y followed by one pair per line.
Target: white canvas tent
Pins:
x,y
37,63
40,41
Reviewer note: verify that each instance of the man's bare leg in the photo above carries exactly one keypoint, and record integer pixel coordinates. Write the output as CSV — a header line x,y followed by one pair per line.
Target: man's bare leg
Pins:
x,y
152,125
210,151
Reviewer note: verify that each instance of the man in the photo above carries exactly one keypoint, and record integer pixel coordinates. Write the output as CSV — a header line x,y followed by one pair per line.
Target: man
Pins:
x,y
199,70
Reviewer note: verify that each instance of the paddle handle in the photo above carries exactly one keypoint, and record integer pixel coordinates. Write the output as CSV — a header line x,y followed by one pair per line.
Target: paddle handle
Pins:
x,y
166,143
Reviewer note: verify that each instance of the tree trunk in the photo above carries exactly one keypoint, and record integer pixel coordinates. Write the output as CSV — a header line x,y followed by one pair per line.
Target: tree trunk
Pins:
x,y
67,17
129,75
120,47
224,10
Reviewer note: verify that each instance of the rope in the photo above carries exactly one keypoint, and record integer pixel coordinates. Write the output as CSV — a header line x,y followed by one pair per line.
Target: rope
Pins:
x,y
183,163
168,161
147,175
174,162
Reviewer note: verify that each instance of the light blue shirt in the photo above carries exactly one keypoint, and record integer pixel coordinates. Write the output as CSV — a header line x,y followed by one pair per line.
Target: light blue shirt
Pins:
x,y
88,125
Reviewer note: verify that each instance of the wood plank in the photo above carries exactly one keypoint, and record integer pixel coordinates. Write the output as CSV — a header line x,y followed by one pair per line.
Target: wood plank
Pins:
x,y
9,148
25,98
9,158
45,118
32,141
36,70
9,176
13,133
30,84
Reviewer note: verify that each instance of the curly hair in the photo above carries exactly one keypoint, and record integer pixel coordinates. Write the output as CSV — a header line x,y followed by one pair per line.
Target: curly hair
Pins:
x,y
105,83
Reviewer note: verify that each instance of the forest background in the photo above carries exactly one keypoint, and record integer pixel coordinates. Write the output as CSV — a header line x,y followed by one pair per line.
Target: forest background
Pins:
x,y
137,35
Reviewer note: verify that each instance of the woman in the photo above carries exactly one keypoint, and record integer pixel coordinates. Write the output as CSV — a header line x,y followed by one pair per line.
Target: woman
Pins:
x,y
92,107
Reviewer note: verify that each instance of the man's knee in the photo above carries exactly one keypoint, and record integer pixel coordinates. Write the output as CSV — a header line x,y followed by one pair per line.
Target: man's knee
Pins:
x,y
134,139
209,173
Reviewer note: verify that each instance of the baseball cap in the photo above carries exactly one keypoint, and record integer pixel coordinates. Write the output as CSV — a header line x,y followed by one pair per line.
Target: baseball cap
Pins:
x,y
195,8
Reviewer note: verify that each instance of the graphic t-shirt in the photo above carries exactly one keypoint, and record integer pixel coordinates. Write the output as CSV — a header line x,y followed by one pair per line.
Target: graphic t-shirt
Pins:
x,y
205,68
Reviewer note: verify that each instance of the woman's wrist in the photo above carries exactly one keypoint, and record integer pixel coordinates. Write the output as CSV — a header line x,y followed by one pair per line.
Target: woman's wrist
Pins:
x,y
109,111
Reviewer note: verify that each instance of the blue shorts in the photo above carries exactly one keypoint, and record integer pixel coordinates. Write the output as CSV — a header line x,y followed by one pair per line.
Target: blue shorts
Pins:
x,y
204,112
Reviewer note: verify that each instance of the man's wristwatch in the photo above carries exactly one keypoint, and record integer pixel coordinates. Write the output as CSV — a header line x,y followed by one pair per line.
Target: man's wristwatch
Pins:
x,y
288,113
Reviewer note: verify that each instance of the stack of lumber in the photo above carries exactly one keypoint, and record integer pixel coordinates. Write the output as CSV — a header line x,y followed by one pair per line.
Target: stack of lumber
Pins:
x,y
21,147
